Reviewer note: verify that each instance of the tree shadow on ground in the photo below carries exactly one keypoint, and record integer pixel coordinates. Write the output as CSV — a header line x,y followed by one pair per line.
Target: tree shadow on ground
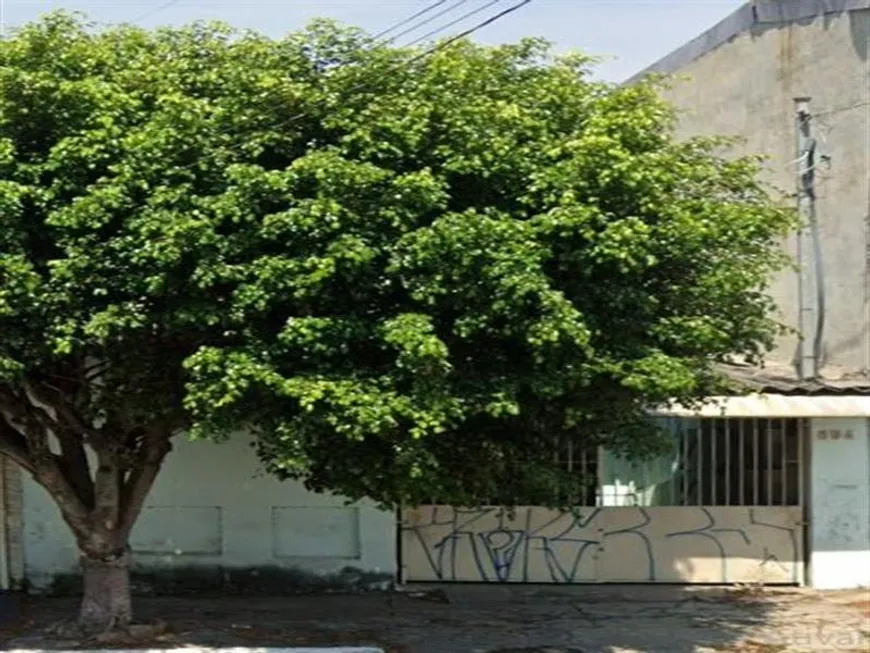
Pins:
x,y
489,619
606,619
455,619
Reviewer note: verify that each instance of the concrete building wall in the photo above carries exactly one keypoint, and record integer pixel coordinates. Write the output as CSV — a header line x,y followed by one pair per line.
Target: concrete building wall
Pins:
x,y
745,87
740,79
839,514
211,508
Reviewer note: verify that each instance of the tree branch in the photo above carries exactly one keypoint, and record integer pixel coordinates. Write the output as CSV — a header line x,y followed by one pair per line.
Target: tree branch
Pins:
x,y
70,432
107,490
35,425
152,450
20,416
13,444
49,474
66,416
73,462
76,467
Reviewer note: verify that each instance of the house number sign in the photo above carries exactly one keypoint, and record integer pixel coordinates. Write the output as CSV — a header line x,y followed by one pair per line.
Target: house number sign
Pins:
x,y
835,434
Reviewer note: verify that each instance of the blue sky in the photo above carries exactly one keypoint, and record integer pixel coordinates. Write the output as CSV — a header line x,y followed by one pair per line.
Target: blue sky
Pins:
x,y
631,33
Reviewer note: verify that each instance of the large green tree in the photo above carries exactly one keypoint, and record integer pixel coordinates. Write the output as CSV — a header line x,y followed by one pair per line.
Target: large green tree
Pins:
x,y
407,275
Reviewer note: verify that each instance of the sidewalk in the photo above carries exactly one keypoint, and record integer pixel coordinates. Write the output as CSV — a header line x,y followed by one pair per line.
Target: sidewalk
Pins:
x,y
500,619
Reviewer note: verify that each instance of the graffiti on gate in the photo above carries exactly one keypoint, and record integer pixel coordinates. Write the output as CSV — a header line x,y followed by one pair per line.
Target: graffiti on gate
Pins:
x,y
624,544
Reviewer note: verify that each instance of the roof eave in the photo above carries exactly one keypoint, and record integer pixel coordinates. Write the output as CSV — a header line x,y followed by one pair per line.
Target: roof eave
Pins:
x,y
753,14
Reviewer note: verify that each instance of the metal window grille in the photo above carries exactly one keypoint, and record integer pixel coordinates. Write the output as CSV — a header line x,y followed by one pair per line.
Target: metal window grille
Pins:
x,y
716,462
582,463
740,462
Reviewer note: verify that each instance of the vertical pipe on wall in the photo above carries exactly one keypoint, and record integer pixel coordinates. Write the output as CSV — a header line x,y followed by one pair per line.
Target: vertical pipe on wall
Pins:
x,y
867,219
803,344
811,304
867,271
818,335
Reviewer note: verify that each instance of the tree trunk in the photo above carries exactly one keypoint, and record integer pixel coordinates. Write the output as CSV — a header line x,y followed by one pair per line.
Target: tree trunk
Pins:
x,y
100,505
106,604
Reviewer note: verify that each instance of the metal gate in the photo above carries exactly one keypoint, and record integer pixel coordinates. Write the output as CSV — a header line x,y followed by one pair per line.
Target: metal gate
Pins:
x,y
726,507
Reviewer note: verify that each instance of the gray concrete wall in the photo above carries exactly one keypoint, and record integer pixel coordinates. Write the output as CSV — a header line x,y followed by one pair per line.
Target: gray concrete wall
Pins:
x,y
743,84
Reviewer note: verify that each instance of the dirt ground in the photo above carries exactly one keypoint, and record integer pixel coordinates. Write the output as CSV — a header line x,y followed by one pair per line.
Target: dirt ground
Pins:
x,y
487,619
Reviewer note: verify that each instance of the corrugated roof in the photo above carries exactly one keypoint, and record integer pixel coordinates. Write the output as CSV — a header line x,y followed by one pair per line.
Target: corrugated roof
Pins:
x,y
784,380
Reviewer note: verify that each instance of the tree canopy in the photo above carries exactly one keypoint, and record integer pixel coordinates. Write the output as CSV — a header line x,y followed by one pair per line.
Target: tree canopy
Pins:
x,y
407,274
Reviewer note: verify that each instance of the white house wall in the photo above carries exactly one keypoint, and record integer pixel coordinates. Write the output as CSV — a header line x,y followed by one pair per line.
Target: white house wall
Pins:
x,y
840,504
212,507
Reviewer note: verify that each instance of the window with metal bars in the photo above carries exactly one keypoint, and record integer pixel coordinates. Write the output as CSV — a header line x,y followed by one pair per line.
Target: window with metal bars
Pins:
x,y
742,462
581,463
715,462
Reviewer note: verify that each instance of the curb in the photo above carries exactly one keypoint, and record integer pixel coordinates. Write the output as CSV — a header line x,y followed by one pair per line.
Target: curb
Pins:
x,y
205,649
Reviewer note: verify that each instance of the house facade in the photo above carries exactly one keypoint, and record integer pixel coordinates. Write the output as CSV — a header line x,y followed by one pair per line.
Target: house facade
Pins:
x,y
772,487
211,513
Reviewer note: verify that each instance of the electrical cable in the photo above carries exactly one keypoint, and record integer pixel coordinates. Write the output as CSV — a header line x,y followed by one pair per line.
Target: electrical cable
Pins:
x,y
435,48
432,50
414,28
454,22
857,105
479,26
402,23
155,11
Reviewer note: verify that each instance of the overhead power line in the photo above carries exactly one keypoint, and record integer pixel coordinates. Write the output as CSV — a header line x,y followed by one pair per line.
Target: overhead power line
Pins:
x,y
430,51
414,28
155,11
466,16
409,19
418,57
489,21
